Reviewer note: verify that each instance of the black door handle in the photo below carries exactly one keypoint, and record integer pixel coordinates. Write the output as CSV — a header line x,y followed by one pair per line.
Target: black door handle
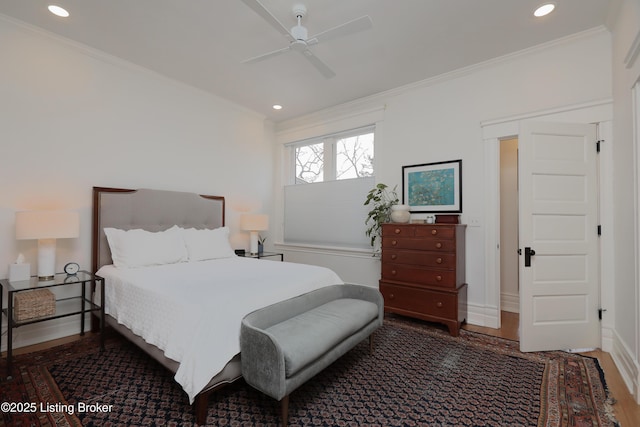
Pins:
x,y
528,253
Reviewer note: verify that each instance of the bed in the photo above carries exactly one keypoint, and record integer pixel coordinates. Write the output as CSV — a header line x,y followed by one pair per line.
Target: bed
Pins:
x,y
185,314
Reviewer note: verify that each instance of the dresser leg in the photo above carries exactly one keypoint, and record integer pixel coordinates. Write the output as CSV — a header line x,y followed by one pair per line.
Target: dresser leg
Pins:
x,y
454,330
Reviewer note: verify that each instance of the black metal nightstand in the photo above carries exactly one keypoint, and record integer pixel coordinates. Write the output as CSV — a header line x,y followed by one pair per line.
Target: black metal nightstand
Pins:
x,y
64,307
264,255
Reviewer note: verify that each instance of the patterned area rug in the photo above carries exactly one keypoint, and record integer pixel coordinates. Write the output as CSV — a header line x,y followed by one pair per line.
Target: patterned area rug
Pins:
x,y
418,375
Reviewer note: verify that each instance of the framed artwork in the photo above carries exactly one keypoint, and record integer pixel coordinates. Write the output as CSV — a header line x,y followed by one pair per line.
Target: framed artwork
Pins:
x,y
433,187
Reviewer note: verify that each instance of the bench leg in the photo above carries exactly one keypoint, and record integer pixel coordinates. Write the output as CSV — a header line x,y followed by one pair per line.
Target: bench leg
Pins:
x,y
284,405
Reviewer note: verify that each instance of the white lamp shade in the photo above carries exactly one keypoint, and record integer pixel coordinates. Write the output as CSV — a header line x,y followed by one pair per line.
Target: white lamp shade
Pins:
x,y
47,225
254,222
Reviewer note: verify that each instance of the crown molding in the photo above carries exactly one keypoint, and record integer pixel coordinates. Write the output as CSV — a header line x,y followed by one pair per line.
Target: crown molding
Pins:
x,y
382,97
634,51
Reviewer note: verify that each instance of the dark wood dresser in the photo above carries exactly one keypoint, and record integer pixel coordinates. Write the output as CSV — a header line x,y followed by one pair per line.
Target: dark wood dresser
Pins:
x,y
423,272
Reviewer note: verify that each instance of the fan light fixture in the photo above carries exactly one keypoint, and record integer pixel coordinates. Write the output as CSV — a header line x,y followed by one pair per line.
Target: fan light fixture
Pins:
x,y
299,40
544,10
58,11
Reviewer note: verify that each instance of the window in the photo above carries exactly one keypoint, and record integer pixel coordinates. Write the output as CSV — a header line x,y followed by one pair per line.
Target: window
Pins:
x,y
345,155
354,156
330,177
309,163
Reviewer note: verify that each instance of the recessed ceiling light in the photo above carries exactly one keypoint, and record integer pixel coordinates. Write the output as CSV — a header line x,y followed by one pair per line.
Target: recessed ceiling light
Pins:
x,y
277,107
57,10
543,10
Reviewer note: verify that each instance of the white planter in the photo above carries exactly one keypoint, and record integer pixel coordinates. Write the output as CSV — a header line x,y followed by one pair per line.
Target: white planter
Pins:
x,y
400,213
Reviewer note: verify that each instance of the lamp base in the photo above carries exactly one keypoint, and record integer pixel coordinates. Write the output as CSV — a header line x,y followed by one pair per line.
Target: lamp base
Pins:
x,y
46,259
253,243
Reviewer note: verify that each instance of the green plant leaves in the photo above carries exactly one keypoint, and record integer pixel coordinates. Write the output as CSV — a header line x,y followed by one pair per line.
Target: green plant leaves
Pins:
x,y
381,199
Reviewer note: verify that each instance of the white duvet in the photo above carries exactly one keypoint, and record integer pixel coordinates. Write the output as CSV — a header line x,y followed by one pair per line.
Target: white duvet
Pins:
x,y
193,310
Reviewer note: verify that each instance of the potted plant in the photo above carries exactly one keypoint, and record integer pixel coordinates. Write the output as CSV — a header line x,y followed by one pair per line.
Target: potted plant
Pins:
x,y
261,240
381,199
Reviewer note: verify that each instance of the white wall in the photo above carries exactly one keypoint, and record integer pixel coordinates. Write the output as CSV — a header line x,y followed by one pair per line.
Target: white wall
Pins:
x,y
439,119
72,118
626,72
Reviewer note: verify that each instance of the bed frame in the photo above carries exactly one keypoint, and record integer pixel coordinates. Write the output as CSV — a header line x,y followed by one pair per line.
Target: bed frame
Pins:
x,y
157,210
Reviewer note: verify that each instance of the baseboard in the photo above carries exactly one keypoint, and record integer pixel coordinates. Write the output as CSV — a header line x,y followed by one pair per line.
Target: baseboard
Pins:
x,y
510,302
41,332
606,339
483,316
627,366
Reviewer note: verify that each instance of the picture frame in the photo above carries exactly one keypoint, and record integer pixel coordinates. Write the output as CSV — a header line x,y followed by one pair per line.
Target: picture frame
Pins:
x,y
433,187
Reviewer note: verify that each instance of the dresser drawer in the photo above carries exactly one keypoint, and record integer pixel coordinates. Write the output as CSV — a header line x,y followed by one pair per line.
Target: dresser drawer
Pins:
x,y
398,230
419,244
436,231
438,304
419,276
422,258
422,231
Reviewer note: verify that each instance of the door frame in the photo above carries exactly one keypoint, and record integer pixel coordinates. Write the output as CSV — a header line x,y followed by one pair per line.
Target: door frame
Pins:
x,y
493,131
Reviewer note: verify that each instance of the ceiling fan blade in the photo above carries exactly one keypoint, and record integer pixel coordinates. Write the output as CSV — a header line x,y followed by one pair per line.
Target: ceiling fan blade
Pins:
x,y
258,8
267,55
320,66
360,24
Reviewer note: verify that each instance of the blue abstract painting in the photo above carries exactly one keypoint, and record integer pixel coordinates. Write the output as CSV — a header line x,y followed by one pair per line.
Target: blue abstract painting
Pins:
x,y
434,188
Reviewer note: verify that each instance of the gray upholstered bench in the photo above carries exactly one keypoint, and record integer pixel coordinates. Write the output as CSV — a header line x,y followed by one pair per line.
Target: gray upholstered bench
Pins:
x,y
285,344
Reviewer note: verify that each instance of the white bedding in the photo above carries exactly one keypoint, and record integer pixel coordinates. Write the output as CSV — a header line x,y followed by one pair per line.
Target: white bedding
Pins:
x,y
193,310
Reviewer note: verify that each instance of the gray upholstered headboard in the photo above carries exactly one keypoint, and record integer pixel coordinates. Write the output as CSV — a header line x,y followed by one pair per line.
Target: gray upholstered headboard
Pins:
x,y
151,210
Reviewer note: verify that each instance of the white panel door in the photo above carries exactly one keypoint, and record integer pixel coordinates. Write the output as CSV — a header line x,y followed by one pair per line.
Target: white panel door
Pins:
x,y
559,279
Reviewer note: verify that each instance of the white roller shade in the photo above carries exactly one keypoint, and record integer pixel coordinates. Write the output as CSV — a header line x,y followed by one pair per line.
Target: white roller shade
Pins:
x,y
328,213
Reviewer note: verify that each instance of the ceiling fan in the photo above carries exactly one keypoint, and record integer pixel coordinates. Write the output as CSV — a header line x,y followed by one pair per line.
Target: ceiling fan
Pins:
x,y
298,36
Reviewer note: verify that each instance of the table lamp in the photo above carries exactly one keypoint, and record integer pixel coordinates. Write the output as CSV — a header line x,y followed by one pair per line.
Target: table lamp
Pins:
x,y
254,223
46,227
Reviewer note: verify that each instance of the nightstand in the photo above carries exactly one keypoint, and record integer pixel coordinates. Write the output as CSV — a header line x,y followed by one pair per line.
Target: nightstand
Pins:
x,y
264,255
64,307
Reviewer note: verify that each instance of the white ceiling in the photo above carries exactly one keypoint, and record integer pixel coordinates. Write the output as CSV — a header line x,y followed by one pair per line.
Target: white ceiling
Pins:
x,y
203,42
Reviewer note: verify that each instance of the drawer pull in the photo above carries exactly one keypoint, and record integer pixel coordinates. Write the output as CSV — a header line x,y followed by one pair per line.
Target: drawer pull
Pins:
x,y
434,232
439,261
397,231
438,245
394,272
438,278
394,256
439,304
391,296
394,242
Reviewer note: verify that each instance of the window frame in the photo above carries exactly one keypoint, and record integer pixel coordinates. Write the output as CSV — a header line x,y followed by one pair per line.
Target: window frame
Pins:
x,y
329,153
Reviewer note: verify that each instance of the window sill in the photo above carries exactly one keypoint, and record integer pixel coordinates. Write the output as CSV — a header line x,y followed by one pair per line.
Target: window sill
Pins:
x,y
327,250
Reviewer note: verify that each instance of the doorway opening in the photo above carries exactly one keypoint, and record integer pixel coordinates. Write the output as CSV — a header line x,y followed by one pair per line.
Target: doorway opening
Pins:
x,y
509,215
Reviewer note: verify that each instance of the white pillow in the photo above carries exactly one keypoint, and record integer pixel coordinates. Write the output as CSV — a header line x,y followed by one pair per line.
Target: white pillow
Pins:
x,y
139,248
208,244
